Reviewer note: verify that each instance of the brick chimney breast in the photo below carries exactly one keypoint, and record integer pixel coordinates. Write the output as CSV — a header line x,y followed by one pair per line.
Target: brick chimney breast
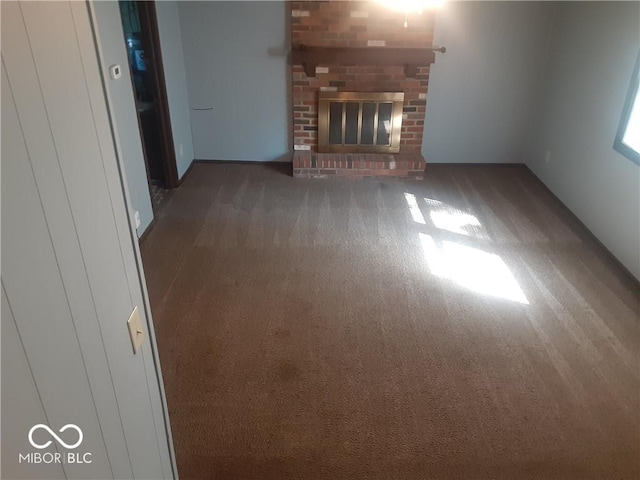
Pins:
x,y
338,23
358,24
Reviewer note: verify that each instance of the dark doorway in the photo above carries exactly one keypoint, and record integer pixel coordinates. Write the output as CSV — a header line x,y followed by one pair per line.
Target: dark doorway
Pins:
x,y
140,26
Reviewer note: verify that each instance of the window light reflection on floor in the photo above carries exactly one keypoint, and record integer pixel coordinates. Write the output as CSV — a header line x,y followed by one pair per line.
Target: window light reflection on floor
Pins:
x,y
452,219
416,214
472,268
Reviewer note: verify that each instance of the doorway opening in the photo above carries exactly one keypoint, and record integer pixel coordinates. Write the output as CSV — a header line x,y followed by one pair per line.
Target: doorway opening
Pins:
x,y
142,40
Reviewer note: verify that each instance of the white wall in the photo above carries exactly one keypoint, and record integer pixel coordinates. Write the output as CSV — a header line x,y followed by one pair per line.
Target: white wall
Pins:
x,y
176,81
232,69
481,90
591,59
122,102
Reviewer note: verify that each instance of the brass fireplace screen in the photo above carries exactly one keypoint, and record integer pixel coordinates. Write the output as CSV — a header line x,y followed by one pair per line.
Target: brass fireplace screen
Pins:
x,y
359,121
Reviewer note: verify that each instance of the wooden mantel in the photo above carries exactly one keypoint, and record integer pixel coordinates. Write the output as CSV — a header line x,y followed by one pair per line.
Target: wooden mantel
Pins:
x,y
409,58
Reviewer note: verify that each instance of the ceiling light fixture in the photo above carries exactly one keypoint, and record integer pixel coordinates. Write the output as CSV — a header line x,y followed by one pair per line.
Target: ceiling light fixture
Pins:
x,y
411,6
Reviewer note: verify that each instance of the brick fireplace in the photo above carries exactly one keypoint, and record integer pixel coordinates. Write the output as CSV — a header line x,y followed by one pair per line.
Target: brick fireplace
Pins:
x,y
354,46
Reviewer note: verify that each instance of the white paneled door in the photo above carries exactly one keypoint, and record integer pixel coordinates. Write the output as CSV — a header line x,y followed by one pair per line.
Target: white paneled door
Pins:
x,y
71,271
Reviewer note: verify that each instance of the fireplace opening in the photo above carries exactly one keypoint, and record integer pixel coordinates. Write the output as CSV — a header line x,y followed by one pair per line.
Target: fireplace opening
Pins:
x,y
359,121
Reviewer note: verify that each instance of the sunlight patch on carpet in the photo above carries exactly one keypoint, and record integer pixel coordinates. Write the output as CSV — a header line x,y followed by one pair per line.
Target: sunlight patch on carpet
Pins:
x,y
452,219
416,214
472,268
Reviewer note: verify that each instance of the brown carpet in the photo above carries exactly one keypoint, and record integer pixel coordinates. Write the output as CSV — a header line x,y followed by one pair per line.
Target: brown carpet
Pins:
x,y
159,197
464,326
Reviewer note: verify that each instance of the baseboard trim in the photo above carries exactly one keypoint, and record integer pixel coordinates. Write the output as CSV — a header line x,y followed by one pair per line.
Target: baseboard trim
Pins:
x,y
244,162
627,273
184,175
630,276
439,164
283,167
147,230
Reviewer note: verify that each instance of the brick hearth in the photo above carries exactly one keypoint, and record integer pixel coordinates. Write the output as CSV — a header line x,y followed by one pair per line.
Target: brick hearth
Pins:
x,y
358,165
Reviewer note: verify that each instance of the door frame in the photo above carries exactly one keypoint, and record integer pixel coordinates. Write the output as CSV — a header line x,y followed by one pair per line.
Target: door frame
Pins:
x,y
151,40
135,268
